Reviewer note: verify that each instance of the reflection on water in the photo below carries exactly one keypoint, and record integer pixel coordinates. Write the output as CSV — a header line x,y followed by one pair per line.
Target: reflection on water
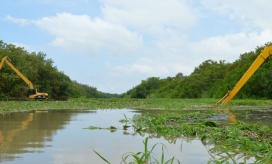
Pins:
x,y
59,137
26,133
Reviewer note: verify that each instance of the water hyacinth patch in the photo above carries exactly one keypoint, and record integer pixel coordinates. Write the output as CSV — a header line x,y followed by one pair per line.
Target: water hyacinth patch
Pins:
x,y
119,103
229,141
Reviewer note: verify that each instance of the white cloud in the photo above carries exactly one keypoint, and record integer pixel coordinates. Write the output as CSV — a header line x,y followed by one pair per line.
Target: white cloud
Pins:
x,y
22,22
80,33
252,13
153,16
124,77
174,55
144,65
230,46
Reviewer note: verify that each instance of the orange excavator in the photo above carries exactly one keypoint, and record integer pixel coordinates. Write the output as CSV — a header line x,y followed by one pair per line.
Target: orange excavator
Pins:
x,y
266,52
32,93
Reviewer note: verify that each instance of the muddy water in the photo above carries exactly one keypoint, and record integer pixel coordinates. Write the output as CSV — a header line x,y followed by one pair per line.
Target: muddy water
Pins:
x,y
59,137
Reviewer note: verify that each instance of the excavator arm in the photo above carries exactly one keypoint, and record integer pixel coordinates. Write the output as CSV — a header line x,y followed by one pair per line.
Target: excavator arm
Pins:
x,y
32,93
6,59
251,70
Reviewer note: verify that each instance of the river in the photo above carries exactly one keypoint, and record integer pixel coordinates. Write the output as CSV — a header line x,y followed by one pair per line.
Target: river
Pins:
x,y
60,137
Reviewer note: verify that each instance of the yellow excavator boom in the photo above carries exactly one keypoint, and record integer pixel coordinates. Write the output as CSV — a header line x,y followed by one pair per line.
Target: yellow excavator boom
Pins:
x,y
6,59
251,70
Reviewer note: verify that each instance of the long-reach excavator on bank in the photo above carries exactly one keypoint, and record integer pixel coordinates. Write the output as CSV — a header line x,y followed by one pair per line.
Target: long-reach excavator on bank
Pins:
x,y
251,70
32,93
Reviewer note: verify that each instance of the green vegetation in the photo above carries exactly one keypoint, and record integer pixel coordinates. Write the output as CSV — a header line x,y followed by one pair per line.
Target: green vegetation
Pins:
x,y
42,73
117,103
211,79
226,142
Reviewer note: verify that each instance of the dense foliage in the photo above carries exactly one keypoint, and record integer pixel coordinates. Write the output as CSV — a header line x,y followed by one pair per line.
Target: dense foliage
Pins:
x,y
42,73
211,79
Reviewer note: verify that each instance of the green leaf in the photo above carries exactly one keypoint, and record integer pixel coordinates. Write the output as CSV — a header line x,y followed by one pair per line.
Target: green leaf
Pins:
x,y
126,126
101,157
112,128
203,137
210,123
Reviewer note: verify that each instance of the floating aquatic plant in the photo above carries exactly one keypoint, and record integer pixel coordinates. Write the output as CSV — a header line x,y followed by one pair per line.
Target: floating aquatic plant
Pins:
x,y
229,141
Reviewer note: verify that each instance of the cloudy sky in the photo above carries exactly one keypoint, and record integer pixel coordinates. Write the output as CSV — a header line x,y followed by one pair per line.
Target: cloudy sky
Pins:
x,y
114,44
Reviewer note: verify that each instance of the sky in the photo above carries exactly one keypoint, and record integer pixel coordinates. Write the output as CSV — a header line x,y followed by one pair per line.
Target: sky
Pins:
x,y
115,44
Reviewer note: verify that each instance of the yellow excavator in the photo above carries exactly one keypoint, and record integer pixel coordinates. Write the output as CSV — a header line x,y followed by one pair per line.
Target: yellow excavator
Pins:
x,y
266,52
32,93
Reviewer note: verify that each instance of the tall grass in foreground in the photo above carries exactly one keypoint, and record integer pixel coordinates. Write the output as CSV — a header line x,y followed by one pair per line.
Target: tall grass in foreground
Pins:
x,y
143,157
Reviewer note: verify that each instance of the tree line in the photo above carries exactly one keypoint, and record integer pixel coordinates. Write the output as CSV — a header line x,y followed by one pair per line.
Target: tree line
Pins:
x,y
211,79
42,73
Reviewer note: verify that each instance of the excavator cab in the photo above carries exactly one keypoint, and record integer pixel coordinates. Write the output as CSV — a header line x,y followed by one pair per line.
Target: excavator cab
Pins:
x,y
34,94
31,92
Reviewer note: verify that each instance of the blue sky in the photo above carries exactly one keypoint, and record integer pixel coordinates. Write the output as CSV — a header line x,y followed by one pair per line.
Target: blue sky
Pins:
x,y
114,44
